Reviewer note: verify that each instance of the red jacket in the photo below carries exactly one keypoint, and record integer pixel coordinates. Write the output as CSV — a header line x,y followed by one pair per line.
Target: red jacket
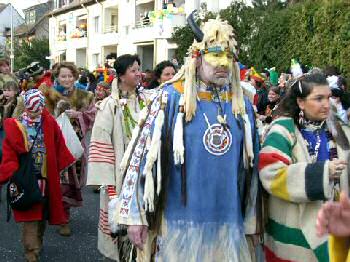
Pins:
x,y
58,157
46,79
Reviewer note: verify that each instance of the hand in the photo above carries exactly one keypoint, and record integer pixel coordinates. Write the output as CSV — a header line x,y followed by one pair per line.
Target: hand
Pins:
x,y
72,113
334,218
138,235
336,167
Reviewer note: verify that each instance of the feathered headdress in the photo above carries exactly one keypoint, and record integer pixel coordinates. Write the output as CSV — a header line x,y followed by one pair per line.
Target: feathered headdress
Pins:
x,y
215,35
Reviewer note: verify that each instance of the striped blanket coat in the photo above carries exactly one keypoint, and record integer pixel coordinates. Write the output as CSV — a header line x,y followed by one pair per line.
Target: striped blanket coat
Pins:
x,y
107,146
297,188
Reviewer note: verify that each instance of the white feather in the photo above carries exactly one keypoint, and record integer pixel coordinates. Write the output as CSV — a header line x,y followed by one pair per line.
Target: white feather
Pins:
x,y
248,155
178,141
159,169
152,155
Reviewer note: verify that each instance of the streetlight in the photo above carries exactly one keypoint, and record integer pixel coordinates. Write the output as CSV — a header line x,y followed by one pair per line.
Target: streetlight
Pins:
x,y
11,54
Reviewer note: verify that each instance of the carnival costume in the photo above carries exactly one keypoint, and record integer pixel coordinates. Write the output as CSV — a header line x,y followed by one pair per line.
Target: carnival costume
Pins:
x,y
116,117
189,169
294,170
50,156
58,99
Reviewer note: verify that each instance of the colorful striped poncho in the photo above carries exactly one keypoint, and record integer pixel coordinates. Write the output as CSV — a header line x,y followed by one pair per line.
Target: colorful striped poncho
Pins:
x,y
296,187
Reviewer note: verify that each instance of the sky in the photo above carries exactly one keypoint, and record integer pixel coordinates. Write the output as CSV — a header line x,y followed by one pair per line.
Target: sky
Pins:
x,y
22,4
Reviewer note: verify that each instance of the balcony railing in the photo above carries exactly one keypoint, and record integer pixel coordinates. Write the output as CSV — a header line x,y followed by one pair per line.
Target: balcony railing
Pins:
x,y
111,29
143,22
61,37
158,16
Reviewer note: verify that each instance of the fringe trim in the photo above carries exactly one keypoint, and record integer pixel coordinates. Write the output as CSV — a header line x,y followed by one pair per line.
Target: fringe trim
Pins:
x,y
152,155
238,104
248,152
178,141
206,242
159,169
190,89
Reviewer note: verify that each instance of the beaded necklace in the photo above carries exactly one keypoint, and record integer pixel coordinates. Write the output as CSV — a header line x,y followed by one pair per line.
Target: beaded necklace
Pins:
x,y
316,128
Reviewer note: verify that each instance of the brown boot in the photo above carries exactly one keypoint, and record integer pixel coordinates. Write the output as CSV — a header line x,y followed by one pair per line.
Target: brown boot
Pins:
x,y
64,230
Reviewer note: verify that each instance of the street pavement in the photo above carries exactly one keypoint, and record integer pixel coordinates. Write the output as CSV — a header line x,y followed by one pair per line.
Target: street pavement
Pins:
x,y
81,246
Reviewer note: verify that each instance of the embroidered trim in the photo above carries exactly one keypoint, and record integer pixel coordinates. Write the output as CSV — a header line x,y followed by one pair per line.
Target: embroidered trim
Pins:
x,y
135,162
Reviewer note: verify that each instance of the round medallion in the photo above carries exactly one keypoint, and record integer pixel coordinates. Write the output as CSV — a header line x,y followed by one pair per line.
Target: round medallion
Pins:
x,y
217,141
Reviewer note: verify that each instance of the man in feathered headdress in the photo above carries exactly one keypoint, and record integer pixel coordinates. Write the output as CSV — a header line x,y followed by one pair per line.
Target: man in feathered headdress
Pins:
x,y
189,171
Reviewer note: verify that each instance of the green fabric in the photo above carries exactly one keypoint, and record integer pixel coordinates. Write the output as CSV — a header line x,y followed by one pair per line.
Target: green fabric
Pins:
x,y
322,252
279,142
286,235
287,123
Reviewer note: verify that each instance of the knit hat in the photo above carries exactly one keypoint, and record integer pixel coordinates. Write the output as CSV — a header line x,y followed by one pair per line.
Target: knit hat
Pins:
x,y
34,101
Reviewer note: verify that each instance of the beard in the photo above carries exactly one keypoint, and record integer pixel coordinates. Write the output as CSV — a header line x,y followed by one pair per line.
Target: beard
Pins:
x,y
220,81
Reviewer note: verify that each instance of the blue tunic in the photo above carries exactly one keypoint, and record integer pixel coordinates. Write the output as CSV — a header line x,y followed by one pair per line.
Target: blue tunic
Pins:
x,y
210,227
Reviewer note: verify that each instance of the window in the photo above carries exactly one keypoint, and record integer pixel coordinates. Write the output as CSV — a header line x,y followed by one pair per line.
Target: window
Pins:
x,y
97,24
96,60
30,17
114,20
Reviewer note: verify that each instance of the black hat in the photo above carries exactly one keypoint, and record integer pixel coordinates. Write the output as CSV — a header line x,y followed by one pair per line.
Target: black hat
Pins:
x,y
35,69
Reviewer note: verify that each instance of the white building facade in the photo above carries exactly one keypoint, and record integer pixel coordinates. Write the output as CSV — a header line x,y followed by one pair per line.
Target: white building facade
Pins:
x,y
86,32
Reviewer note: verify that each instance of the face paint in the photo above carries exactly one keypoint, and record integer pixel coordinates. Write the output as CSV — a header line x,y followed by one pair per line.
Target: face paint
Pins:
x,y
215,68
221,59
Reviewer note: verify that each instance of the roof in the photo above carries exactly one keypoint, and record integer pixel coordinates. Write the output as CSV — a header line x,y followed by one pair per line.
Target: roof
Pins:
x,y
25,29
35,6
2,7
31,28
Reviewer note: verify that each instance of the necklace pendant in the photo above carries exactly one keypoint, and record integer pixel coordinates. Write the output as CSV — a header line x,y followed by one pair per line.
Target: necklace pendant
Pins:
x,y
221,119
217,140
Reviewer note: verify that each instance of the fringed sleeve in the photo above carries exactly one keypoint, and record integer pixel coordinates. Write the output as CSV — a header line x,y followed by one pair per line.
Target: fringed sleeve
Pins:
x,y
285,177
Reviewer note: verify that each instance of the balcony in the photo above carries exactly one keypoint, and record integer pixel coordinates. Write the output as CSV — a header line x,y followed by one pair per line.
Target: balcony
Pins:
x,y
110,36
158,24
78,42
110,29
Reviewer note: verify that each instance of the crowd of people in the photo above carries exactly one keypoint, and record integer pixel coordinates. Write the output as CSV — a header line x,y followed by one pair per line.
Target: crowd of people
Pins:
x,y
211,162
